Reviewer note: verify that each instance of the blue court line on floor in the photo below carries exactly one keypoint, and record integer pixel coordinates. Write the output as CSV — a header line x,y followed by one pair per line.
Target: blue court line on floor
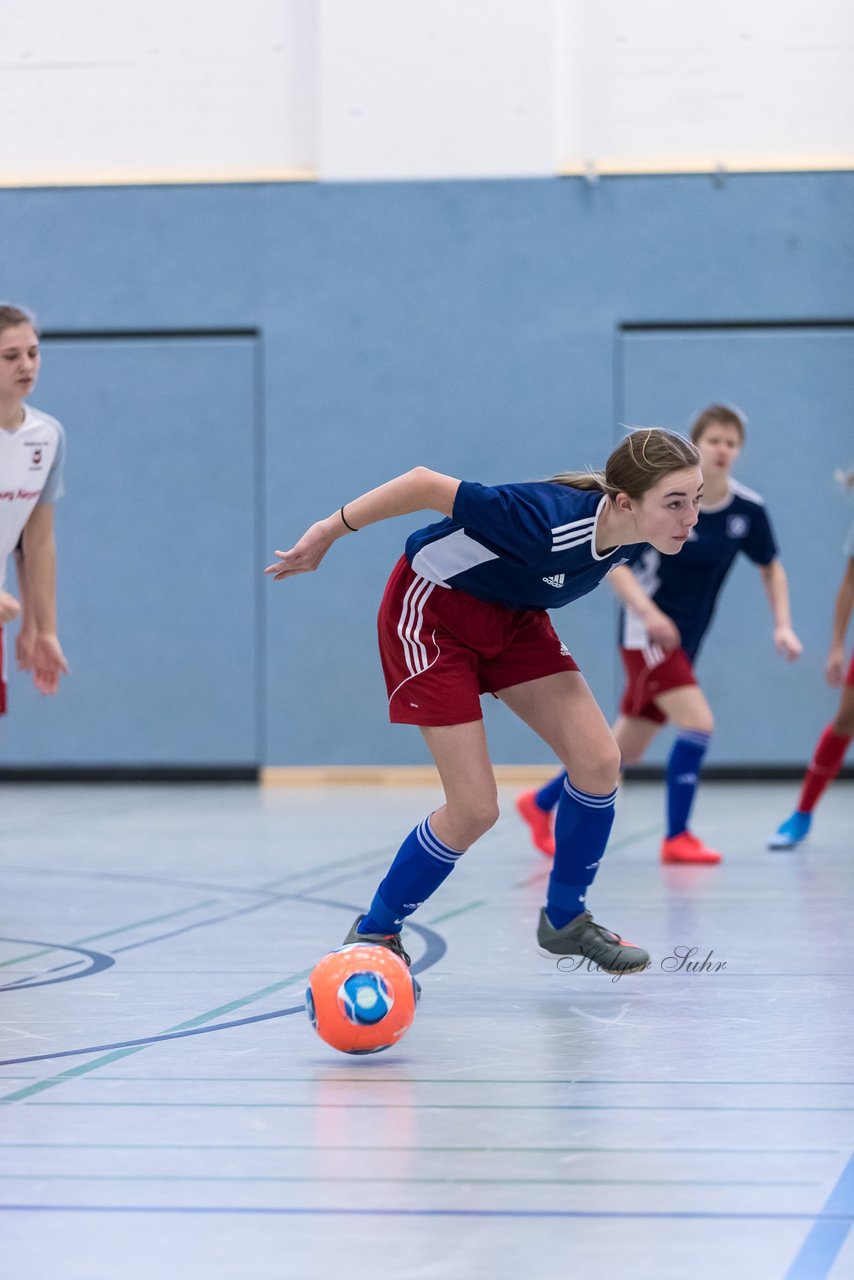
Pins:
x,y
99,961
200,924
138,877
405,1150
449,915
143,1041
445,1106
386,851
543,872
122,877
373,868
361,1178
108,933
818,1252
435,949
658,1215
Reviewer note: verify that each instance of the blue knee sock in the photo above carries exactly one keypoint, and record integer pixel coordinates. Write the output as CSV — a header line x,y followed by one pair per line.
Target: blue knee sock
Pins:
x,y
582,827
421,864
548,796
683,773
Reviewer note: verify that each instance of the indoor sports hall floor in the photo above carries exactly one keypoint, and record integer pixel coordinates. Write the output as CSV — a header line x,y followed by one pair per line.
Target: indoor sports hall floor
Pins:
x,y
169,1111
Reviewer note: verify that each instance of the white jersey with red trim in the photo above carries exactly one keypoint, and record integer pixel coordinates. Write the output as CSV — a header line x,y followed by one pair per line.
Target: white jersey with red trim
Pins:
x,y
32,459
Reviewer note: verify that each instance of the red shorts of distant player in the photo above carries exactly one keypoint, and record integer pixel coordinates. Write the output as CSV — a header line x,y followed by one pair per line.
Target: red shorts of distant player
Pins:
x,y
849,679
649,673
441,649
2,676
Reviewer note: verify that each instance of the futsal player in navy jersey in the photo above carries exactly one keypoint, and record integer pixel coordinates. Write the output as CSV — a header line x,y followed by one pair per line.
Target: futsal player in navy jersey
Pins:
x,y
836,739
668,605
464,613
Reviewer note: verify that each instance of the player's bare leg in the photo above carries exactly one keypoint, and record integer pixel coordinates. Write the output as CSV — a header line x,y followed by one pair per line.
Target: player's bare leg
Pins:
x,y
562,710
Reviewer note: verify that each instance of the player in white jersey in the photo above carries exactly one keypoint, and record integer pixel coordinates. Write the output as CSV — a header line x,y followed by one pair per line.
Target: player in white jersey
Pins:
x,y
465,613
835,740
32,451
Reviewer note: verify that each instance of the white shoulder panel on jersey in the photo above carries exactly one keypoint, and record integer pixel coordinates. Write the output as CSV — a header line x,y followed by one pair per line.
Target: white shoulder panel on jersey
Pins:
x,y
743,492
446,557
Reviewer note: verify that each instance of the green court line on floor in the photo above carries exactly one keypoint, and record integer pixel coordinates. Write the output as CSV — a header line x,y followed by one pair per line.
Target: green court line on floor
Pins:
x,y
470,906
544,872
108,933
405,1179
241,1002
322,867
73,1073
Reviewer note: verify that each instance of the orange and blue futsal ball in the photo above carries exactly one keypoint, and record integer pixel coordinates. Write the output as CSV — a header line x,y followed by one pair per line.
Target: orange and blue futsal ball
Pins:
x,y
360,998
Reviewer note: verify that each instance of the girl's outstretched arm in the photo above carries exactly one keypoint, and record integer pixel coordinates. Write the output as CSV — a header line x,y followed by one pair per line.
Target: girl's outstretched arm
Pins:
x,y
777,589
417,490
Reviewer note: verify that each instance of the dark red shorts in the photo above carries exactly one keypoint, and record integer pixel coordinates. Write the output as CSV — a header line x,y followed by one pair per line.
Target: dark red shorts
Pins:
x,y
849,679
441,649
650,672
2,676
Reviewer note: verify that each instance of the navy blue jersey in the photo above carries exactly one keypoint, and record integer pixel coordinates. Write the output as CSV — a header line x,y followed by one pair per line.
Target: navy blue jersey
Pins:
x,y
686,586
524,546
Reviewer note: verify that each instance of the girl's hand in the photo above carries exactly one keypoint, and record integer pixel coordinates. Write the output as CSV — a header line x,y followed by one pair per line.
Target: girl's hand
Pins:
x,y
787,643
663,631
306,555
24,645
48,663
834,668
9,608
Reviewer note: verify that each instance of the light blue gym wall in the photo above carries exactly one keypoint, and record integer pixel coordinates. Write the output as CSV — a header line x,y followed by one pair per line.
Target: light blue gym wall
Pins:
x,y
470,326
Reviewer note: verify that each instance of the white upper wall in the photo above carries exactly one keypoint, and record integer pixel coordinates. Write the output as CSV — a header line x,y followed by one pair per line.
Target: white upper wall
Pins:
x,y
436,88
665,84
156,89
184,90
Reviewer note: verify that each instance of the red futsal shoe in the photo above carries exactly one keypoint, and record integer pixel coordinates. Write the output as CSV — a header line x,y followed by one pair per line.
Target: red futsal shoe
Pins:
x,y
539,822
687,848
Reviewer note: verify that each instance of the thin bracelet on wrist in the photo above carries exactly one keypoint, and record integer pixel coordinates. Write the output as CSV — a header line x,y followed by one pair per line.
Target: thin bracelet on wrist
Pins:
x,y
346,521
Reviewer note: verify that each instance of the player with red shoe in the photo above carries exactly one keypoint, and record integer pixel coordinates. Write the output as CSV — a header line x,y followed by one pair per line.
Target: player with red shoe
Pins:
x,y
836,738
668,604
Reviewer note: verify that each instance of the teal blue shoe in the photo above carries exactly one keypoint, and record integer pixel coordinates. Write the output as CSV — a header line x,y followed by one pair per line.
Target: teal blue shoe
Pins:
x,y
791,832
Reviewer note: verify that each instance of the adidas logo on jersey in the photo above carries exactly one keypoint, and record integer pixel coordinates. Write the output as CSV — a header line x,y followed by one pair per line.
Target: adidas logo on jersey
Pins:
x,y
556,580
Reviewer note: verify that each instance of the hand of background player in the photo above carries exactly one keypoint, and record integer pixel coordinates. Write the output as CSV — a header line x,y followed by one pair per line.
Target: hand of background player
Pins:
x,y
9,608
307,554
663,631
787,643
834,668
47,662
24,642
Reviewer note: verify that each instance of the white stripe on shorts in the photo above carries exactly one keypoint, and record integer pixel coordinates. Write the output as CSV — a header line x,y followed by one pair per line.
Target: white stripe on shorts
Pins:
x,y
409,626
